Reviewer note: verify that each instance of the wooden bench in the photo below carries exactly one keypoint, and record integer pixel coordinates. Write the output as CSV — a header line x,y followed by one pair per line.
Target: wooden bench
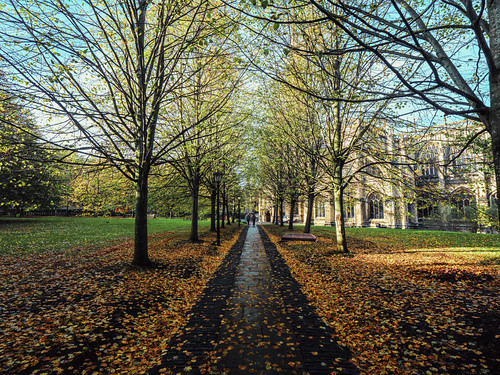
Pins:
x,y
298,237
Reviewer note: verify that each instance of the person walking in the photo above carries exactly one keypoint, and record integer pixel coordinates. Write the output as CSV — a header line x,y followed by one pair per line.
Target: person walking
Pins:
x,y
253,219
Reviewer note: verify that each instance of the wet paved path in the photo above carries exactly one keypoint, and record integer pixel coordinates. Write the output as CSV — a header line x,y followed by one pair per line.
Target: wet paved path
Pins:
x,y
255,333
253,318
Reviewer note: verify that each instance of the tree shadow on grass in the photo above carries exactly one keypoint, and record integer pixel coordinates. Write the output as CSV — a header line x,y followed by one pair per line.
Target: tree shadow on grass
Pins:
x,y
12,222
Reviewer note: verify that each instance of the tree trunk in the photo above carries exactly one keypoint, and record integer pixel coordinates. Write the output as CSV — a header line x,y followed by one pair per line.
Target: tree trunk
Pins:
x,y
234,210
228,213
338,193
223,216
213,197
281,213
494,116
310,203
194,214
292,211
141,257
496,160
141,141
338,167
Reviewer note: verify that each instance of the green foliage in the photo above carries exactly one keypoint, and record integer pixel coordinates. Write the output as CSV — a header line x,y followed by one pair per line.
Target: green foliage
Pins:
x,y
483,216
28,179
102,191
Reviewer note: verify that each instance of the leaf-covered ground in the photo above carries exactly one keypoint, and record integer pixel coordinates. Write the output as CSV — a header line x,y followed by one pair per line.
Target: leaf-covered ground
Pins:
x,y
86,311
404,309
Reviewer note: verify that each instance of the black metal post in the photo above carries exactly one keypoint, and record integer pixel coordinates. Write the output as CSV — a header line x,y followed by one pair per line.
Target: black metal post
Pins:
x,y
239,212
218,218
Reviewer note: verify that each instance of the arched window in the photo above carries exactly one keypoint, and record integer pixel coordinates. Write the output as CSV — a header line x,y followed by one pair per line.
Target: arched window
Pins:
x,y
492,200
427,207
429,159
348,207
376,206
463,199
320,207
466,162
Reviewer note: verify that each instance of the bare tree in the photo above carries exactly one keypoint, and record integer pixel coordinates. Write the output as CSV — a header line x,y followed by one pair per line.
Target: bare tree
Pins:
x,y
295,122
452,46
335,85
103,75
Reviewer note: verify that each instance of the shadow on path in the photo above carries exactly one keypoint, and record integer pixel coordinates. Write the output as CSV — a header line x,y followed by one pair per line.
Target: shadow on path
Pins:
x,y
321,354
192,345
252,318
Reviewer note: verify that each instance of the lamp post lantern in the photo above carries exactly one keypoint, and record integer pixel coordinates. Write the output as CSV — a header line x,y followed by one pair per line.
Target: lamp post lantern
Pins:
x,y
217,179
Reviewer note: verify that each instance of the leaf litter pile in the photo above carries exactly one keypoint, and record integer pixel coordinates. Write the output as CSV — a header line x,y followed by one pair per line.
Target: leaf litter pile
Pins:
x,y
88,311
402,312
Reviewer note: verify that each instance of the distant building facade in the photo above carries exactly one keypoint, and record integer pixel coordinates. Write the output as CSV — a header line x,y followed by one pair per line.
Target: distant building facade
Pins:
x,y
433,185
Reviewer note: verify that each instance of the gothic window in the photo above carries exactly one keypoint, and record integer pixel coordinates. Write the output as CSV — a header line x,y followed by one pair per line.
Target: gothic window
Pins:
x,y
376,206
464,162
349,208
320,207
427,206
429,159
492,200
463,199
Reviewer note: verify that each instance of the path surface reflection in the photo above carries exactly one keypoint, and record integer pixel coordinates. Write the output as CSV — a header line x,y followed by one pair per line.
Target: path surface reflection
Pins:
x,y
254,319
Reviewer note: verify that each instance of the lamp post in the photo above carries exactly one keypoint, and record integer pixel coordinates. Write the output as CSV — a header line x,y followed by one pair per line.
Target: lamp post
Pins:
x,y
239,212
217,179
234,207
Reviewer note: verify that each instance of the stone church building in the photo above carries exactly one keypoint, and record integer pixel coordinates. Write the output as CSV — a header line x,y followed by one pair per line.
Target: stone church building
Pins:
x,y
432,186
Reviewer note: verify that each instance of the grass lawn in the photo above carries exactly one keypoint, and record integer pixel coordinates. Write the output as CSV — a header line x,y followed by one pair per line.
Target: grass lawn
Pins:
x,y
482,247
25,235
405,301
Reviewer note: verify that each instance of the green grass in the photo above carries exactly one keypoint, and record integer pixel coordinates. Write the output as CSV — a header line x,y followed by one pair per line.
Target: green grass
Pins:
x,y
471,245
26,235
412,239
483,248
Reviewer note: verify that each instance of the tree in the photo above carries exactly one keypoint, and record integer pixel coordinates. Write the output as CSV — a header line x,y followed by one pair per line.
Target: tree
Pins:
x,y
29,179
206,110
107,72
296,123
197,159
453,46
338,85
272,167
